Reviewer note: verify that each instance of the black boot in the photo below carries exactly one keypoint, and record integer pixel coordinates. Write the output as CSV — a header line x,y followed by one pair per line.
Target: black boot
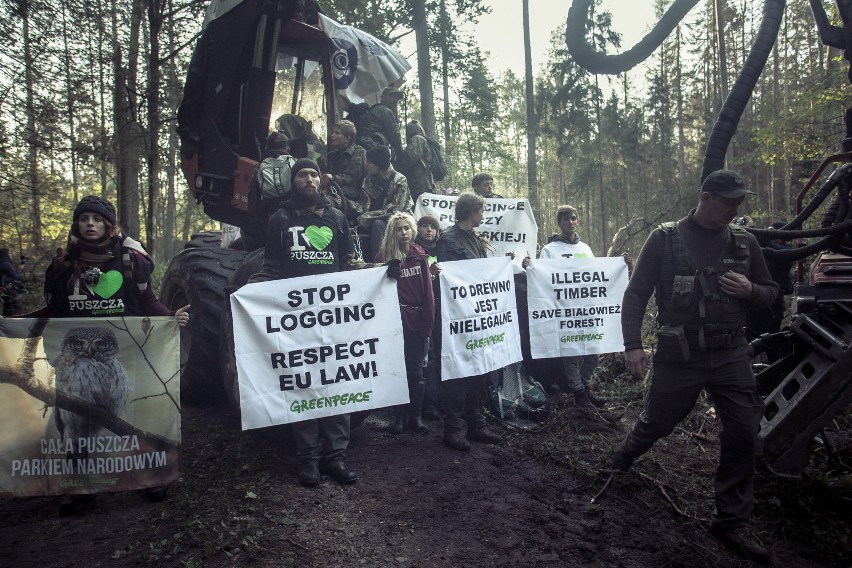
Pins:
x,y
415,408
595,399
398,421
582,400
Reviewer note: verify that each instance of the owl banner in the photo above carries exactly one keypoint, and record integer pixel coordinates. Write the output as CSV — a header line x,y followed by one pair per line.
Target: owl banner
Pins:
x,y
479,317
88,405
575,306
318,346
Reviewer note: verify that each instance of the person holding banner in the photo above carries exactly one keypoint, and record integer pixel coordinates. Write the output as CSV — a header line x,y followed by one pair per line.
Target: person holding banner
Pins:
x,y
417,307
462,398
483,185
577,371
308,236
102,273
428,229
706,272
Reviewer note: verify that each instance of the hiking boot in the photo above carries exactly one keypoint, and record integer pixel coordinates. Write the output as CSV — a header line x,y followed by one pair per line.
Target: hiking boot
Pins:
x,y
621,461
73,504
457,441
431,413
398,424
485,436
415,424
309,474
339,472
595,399
740,543
582,400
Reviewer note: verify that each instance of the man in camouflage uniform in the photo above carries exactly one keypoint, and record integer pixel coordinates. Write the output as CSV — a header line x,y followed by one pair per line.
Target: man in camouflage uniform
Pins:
x,y
705,273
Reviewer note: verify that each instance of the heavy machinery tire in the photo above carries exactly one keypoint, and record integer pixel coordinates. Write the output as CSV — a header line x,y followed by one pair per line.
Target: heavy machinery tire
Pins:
x,y
228,362
198,276
204,239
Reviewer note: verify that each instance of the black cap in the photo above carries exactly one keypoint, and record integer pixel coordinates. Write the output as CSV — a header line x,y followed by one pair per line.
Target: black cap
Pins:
x,y
726,183
95,204
381,156
301,164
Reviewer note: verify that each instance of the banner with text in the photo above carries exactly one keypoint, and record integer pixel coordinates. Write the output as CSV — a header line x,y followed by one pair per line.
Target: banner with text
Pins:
x,y
479,317
508,224
318,346
575,306
88,405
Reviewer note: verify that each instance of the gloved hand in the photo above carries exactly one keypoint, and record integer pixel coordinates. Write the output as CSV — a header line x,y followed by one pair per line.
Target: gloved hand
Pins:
x,y
393,269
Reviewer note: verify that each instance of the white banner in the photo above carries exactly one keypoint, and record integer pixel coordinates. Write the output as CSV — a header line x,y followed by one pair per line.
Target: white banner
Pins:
x,y
479,317
362,64
575,306
88,405
318,346
508,224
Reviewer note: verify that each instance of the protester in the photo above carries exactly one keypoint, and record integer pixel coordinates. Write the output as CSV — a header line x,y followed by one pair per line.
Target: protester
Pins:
x,y
320,443
428,230
418,154
384,193
95,247
344,170
417,307
483,185
380,124
706,272
462,398
577,371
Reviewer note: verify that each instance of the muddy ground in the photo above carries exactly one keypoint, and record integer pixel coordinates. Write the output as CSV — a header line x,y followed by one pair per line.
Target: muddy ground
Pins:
x,y
526,502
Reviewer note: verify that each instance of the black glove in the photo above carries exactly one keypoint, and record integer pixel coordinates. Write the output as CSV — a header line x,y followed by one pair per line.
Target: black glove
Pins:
x,y
393,269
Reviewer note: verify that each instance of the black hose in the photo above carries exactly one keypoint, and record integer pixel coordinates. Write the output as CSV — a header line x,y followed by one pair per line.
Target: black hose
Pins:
x,y
732,109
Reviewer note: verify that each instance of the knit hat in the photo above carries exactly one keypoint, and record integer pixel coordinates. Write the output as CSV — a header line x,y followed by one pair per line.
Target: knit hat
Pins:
x,y
429,220
95,204
381,156
726,183
301,164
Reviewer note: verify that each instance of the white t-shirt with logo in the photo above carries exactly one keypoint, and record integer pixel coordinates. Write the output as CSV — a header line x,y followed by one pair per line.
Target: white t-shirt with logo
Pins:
x,y
561,249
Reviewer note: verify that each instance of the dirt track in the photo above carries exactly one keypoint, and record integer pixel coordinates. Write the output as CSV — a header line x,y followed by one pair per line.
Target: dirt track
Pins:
x,y
417,503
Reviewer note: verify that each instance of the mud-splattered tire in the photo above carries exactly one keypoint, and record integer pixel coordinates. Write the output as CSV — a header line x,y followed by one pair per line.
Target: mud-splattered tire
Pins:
x,y
198,276
249,266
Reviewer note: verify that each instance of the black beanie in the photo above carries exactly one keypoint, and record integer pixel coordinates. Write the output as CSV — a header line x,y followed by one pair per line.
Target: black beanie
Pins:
x,y
381,156
301,164
95,204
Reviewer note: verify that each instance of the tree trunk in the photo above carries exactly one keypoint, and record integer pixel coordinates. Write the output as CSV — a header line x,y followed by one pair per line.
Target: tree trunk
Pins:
x,y
718,6
155,23
69,100
532,123
127,136
424,66
445,71
31,134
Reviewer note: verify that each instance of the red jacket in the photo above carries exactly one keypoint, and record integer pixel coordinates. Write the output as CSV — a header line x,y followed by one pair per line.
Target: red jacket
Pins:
x,y
416,298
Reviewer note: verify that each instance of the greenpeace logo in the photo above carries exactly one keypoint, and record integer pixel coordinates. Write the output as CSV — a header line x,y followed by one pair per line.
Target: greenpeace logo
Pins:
x,y
734,261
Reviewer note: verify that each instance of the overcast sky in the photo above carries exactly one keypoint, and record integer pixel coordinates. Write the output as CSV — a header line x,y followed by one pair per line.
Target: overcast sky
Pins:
x,y
501,31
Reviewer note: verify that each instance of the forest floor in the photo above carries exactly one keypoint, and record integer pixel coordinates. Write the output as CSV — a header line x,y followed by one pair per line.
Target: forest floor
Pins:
x,y
526,502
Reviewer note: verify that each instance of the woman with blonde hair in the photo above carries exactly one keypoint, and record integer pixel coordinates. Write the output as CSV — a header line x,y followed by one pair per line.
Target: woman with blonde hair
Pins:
x,y
417,307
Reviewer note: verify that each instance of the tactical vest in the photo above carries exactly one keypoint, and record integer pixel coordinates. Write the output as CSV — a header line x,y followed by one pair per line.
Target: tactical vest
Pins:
x,y
689,296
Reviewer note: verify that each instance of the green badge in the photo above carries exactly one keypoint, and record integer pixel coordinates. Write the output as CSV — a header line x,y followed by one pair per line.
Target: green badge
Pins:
x,y
109,283
319,237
